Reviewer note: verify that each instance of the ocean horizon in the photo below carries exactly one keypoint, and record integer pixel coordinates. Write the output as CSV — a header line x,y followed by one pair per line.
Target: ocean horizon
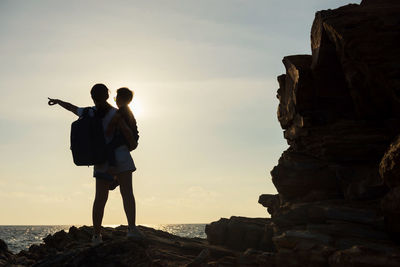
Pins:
x,y
21,237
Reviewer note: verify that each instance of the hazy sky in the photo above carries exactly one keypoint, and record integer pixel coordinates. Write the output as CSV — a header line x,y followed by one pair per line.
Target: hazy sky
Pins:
x,y
204,75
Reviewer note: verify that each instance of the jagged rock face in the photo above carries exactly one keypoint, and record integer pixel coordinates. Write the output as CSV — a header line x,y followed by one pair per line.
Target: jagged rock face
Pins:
x,y
339,106
335,161
353,72
338,183
338,201
362,42
296,91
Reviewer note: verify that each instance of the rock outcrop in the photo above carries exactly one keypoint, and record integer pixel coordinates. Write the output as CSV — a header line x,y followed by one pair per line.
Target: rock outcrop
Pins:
x,y
339,181
159,249
5,255
240,233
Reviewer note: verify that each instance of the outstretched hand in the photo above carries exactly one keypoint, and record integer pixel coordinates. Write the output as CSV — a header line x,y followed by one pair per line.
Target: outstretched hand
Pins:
x,y
53,101
66,105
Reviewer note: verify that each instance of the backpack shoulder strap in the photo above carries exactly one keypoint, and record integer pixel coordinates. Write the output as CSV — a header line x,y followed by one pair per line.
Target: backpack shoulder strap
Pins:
x,y
86,111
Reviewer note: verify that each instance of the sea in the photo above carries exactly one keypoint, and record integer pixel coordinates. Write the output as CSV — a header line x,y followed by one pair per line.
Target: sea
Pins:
x,y
21,237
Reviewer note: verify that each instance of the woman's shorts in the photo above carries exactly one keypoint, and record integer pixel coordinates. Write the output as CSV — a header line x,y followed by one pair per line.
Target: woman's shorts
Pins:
x,y
123,163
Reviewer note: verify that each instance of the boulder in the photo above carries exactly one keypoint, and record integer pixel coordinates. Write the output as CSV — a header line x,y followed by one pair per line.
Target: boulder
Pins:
x,y
83,234
5,255
217,231
304,178
240,233
58,241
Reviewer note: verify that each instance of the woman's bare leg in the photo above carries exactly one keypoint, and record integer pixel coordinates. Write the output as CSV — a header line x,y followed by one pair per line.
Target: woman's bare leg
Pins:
x,y
100,201
125,187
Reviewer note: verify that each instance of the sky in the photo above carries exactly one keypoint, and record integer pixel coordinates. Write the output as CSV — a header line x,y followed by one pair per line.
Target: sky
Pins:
x,y
204,76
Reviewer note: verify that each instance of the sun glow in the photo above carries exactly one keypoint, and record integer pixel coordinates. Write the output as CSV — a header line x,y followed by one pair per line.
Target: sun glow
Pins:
x,y
136,108
136,105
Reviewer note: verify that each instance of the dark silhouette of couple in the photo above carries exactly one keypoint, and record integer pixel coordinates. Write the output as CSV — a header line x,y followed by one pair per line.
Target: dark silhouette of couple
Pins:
x,y
120,130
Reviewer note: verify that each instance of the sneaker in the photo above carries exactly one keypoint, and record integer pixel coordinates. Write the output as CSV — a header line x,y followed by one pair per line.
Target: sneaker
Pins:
x,y
96,239
135,234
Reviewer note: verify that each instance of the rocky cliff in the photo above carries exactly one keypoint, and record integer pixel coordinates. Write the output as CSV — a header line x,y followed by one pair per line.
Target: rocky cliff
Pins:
x,y
339,181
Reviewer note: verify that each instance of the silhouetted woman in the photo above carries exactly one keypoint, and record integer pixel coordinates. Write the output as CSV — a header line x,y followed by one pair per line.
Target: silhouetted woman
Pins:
x,y
122,167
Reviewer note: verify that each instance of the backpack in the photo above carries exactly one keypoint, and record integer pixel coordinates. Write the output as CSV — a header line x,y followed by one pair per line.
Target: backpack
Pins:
x,y
133,127
88,144
119,139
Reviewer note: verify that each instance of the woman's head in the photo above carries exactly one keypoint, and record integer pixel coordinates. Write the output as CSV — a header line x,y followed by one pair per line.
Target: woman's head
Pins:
x,y
99,94
124,96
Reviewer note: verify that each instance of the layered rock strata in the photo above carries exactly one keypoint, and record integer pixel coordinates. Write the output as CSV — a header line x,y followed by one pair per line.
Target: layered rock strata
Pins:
x,y
339,180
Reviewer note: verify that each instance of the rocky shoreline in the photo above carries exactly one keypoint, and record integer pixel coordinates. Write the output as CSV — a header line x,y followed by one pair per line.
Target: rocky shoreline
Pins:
x,y
74,248
338,182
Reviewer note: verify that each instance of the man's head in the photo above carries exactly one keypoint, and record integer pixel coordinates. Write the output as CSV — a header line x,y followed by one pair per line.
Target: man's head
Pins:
x,y
99,93
124,96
